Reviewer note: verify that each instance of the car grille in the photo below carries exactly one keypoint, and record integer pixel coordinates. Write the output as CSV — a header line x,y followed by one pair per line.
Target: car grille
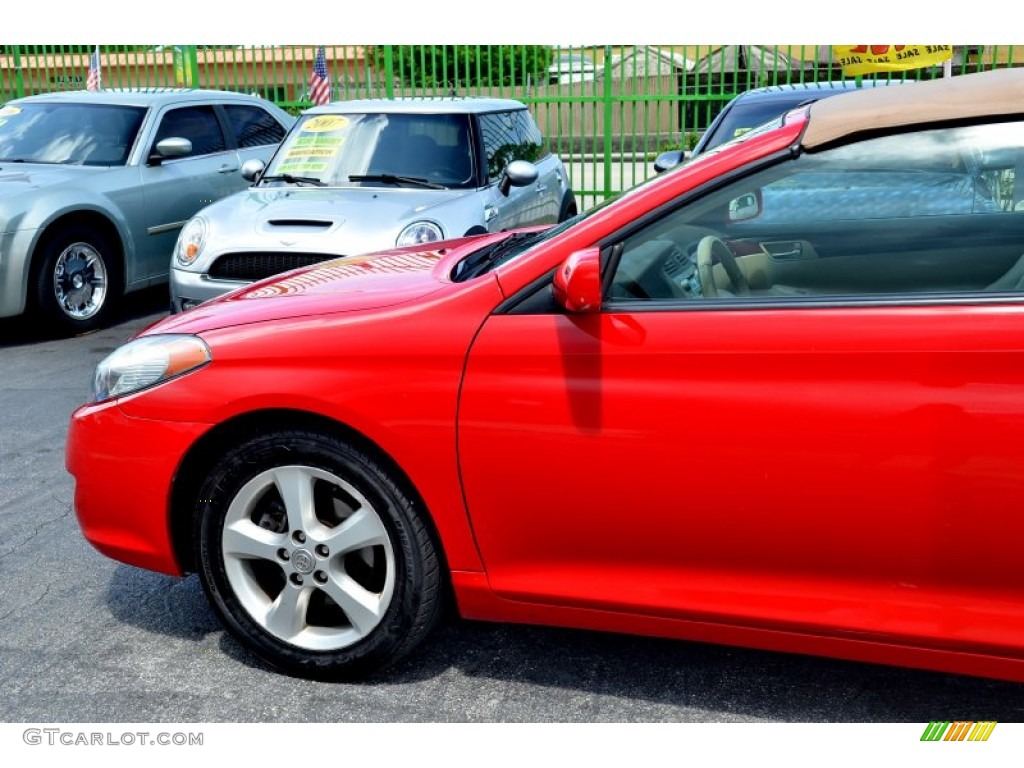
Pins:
x,y
257,265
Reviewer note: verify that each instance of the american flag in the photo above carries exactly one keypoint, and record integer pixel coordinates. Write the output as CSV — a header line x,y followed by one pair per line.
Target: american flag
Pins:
x,y
319,82
94,80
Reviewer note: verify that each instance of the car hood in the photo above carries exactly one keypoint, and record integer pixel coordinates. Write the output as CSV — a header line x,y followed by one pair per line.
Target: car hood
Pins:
x,y
22,178
354,283
345,218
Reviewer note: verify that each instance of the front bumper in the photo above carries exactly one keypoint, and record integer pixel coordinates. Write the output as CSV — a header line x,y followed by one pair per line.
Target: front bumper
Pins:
x,y
188,289
124,469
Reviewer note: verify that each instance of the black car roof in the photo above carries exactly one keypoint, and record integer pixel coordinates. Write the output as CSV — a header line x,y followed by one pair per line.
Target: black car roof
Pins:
x,y
786,92
775,100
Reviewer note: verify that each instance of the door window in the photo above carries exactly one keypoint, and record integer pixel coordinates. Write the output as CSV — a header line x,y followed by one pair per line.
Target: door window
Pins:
x,y
197,124
932,212
510,136
253,126
530,140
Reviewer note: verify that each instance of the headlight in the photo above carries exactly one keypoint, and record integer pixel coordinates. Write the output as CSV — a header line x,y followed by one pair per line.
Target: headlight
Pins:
x,y
418,233
147,361
191,241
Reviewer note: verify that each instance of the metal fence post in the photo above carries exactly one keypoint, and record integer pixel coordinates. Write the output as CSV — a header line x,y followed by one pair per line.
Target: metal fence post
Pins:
x,y
389,71
608,104
186,66
19,75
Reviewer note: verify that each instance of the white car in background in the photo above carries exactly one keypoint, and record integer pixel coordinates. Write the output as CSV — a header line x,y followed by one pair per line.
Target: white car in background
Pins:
x,y
571,68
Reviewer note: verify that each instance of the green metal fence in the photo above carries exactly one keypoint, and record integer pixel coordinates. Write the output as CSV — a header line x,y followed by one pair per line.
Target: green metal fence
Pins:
x,y
607,110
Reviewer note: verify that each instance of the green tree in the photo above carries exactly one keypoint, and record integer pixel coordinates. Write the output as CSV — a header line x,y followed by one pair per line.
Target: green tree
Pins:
x,y
453,66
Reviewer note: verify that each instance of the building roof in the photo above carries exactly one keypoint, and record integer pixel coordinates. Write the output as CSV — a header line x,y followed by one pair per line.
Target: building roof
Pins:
x,y
647,60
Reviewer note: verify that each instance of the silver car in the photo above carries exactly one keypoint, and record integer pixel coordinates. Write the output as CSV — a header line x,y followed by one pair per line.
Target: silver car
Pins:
x,y
362,176
95,185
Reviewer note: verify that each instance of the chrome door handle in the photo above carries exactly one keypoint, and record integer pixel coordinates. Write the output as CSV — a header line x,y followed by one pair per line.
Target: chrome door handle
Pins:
x,y
227,169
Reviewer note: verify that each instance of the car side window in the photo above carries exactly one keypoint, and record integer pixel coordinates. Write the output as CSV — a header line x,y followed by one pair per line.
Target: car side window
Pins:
x,y
253,125
198,124
530,139
510,136
500,142
930,212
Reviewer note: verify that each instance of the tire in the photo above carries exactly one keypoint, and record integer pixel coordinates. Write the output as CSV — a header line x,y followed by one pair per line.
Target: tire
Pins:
x,y
77,279
293,587
568,207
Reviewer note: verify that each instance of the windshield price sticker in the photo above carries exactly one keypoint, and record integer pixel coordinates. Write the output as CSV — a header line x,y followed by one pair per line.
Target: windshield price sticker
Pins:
x,y
312,152
325,124
302,166
312,149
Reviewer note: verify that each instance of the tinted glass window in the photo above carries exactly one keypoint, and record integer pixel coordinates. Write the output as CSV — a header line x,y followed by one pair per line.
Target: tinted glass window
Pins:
x,y
74,134
934,212
500,141
509,136
253,126
197,124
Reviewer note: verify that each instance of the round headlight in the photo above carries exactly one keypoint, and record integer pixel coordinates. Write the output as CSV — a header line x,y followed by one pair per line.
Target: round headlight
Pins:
x,y
146,361
418,233
191,241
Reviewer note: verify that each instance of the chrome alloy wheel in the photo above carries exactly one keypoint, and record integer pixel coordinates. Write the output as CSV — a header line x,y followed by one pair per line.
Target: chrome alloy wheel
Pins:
x,y
80,281
308,557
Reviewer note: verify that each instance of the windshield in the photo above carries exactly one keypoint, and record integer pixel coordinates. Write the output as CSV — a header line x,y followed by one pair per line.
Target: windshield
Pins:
x,y
376,150
68,134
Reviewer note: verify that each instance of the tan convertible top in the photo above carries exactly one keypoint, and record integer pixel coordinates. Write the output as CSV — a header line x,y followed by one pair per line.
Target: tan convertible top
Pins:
x,y
998,92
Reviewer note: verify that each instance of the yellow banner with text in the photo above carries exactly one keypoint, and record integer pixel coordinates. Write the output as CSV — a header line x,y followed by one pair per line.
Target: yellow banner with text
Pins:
x,y
868,59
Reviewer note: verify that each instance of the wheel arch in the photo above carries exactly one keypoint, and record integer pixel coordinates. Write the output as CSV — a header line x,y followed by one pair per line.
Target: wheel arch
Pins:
x,y
86,218
211,446
568,207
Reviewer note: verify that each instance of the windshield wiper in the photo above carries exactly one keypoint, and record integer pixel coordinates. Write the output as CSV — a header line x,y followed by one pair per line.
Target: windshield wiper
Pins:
x,y
392,179
294,179
492,255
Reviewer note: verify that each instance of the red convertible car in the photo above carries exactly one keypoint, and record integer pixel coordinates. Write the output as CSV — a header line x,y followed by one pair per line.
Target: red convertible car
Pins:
x,y
771,398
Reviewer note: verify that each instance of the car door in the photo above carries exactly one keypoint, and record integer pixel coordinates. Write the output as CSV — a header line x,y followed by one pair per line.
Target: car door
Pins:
x,y
544,205
175,189
845,460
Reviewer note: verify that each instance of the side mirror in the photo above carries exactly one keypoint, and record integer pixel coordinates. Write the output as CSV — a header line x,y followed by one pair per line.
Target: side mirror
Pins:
x,y
170,148
577,283
747,206
253,169
518,173
669,159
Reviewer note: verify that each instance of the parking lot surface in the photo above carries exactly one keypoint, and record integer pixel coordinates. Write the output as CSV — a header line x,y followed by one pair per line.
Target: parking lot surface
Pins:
x,y
85,639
